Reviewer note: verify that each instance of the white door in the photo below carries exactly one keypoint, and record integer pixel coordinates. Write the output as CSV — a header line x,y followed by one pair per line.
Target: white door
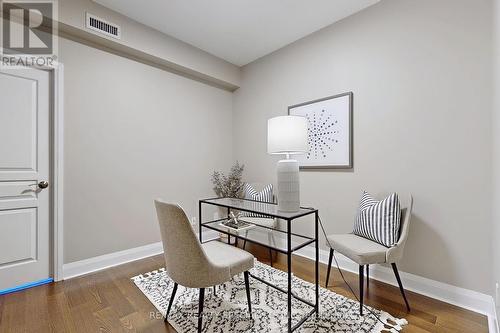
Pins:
x,y
24,166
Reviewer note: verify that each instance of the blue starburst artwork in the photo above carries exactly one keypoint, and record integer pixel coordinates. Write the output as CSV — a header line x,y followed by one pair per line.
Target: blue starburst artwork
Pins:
x,y
321,134
329,131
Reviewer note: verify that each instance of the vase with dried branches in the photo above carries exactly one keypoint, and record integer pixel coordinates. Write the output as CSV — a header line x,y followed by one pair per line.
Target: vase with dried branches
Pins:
x,y
230,186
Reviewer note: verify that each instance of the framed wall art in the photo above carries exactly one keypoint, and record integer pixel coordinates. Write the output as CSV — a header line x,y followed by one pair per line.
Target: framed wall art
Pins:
x,y
329,132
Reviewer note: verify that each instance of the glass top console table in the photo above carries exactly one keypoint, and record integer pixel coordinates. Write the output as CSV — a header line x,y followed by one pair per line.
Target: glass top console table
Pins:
x,y
283,241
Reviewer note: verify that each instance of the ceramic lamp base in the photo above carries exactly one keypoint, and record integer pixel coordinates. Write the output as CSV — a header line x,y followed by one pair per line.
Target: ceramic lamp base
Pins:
x,y
288,186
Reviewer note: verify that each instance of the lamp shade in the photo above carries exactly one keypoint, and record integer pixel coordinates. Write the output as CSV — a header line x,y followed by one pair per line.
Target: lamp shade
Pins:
x,y
287,135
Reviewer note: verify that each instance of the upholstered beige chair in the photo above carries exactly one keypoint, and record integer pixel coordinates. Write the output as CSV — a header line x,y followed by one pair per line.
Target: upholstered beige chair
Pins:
x,y
366,252
196,265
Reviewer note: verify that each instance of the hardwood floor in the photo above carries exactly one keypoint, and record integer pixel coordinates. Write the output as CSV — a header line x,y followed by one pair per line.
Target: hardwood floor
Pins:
x,y
108,301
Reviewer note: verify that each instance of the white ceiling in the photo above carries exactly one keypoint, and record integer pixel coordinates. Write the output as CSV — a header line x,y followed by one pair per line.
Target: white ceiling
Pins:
x,y
239,31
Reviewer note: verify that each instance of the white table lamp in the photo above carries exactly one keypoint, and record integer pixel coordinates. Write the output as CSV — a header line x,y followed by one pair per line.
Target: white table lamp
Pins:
x,y
287,135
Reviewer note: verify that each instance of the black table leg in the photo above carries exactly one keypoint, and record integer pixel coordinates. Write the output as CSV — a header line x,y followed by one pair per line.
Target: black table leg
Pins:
x,y
271,256
316,264
228,235
199,220
289,264
361,285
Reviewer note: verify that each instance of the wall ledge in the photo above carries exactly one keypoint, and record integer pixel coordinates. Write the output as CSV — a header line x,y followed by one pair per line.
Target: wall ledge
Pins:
x,y
108,45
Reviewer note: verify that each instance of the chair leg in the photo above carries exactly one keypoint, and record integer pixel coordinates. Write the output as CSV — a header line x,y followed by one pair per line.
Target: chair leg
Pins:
x,y
215,290
171,301
247,287
361,285
271,256
274,244
329,268
395,269
367,276
200,309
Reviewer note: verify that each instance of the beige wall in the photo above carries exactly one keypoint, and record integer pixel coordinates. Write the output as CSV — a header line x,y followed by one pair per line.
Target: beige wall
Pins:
x,y
420,72
496,145
421,77
134,133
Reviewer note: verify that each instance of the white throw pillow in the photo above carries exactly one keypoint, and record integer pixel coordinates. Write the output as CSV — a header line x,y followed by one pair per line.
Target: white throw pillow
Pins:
x,y
265,195
379,221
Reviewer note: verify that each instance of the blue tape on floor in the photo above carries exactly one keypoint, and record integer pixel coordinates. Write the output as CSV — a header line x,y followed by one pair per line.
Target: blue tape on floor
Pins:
x,y
26,286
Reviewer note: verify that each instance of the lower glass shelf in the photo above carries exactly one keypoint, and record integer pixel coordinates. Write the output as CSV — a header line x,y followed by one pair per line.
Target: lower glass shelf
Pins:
x,y
262,235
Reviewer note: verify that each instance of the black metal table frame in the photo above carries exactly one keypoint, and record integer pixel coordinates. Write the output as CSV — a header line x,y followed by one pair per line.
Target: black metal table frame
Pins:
x,y
288,252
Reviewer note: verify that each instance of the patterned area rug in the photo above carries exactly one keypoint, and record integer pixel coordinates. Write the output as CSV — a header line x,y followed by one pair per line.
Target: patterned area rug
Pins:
x,y
226,309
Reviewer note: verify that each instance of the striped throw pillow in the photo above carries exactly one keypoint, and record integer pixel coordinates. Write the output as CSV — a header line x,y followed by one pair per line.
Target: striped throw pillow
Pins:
x,y
379,220
265,195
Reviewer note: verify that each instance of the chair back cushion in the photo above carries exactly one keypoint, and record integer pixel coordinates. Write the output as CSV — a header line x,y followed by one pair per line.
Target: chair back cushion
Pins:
x,y
264,195
184,256
379,221
395,253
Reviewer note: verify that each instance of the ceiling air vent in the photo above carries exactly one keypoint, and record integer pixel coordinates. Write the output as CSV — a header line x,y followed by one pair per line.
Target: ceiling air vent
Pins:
x,y
103,27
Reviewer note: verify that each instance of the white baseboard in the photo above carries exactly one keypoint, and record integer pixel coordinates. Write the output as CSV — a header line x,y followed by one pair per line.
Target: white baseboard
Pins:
x,y
464,298
98,263
461,297
493,319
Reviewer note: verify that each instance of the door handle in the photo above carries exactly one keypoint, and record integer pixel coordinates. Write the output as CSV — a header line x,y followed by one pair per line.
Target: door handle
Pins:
x,y
43,184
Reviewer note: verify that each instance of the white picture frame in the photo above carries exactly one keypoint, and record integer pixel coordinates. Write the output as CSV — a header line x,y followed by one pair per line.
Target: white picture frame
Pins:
x,y
329,132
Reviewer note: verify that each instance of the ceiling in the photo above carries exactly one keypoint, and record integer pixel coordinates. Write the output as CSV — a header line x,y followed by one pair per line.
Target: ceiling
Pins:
x,y
239,31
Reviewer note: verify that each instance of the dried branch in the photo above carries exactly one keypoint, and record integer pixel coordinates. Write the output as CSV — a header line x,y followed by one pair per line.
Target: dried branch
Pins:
x,y
230,185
